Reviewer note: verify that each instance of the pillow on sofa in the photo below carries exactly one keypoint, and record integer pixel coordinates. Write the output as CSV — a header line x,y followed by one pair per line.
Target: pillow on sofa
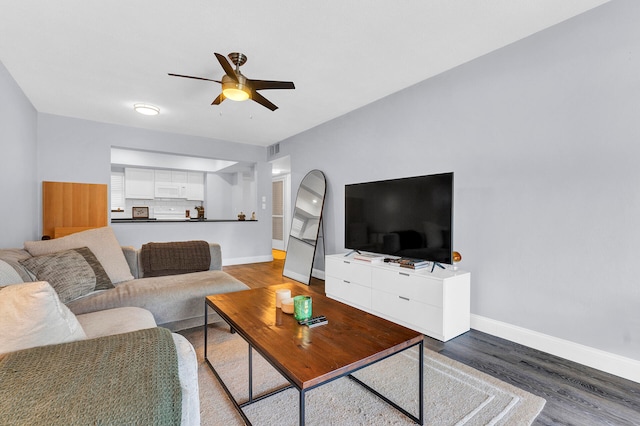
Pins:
x,y
101,241
8,274
12,257
72,273
31,315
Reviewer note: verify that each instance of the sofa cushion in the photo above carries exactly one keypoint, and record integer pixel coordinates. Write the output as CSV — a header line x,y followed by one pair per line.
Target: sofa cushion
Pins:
x,y
115,321
31,314
171,298
72,273
101,241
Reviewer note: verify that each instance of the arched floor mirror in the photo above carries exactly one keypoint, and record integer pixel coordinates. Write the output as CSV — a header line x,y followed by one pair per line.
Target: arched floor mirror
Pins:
x,y
305,227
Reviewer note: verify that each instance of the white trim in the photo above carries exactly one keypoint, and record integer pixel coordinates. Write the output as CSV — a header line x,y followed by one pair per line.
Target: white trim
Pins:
x,y
626,368
317,273
245,260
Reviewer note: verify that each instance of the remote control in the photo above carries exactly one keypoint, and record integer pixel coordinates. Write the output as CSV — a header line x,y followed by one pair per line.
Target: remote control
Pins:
x,y
317,322
307,321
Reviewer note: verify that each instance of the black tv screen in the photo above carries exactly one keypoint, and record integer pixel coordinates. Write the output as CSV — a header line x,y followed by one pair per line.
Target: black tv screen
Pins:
x,y
408,217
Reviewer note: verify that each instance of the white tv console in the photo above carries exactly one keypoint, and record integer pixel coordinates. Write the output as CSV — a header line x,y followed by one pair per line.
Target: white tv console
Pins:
x,y
434,303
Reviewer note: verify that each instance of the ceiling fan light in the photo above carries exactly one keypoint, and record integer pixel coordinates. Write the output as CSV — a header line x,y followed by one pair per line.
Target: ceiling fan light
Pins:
x,y
235,94
146,109
235,90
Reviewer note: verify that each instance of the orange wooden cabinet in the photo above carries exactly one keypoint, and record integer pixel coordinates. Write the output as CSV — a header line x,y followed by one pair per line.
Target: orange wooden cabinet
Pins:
x,y
69,207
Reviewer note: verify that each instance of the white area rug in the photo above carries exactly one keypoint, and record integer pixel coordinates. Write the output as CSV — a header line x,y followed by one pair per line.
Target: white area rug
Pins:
x,y
455,394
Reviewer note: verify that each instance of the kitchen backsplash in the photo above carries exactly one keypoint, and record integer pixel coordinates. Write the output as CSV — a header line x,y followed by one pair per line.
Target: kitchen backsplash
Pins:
x,y
160,208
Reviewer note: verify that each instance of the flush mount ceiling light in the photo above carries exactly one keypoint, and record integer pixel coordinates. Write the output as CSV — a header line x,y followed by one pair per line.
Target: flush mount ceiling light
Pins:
x,y
146,109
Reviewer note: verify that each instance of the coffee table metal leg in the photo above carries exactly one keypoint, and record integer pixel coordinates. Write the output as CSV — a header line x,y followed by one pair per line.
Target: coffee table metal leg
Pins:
x,y
250,374
301,414
421,383
419,419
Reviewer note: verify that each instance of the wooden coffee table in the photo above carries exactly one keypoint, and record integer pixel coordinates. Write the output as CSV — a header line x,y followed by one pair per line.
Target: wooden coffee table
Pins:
x,y
310,357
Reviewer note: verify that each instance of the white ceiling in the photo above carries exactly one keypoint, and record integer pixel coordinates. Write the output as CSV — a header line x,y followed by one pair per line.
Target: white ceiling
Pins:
x,y
94,59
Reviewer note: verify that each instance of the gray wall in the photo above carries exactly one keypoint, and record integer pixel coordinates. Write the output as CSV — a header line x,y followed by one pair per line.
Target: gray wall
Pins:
x,y
40,147
18,140
74,150
544,140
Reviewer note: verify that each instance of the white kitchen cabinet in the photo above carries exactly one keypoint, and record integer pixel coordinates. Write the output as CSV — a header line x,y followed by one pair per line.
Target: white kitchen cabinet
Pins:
x,y
195,186
139,183
170,184
434,303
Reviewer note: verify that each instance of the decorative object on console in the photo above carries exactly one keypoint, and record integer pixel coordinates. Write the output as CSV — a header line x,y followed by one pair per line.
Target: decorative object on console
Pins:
x,y
200,210
242,216
253,216
140,213
457,257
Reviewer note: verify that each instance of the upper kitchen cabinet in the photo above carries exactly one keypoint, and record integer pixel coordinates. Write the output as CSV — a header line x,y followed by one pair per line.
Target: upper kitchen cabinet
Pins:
x,y
195,186
170,184
139,183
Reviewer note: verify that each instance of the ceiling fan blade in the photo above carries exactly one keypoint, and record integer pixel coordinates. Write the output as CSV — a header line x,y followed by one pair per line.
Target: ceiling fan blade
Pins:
x,y
226,66
262,100
219,99
266,84
195,78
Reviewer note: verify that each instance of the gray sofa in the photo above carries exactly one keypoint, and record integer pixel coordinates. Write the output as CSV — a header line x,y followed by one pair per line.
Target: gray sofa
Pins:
x,y
130,302
176,301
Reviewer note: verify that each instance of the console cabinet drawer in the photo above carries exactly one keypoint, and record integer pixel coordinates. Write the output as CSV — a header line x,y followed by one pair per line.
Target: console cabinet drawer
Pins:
x,y
411,286
349,270
349,292
425,318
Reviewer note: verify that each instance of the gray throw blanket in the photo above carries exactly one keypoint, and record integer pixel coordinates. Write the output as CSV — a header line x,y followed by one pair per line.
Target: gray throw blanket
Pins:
x,y
173,258
129,378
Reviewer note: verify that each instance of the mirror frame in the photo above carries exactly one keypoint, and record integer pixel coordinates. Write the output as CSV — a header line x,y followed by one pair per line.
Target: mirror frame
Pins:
x,y
301,250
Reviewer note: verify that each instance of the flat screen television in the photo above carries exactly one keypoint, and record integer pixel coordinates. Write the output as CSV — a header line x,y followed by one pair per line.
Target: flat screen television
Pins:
x,y
407,217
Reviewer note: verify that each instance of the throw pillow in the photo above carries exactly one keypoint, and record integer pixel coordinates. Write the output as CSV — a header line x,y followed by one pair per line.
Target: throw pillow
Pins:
x,y
101,241
68,272
31,315
8,274
12,257
103,282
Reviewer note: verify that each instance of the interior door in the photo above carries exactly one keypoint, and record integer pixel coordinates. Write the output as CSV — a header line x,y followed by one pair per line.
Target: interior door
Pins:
x,y
278,213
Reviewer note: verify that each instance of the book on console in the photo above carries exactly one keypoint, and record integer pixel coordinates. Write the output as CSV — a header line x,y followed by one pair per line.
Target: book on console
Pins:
x,y
368,257
407,262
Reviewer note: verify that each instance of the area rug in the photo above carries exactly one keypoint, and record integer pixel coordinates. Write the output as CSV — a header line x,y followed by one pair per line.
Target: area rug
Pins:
x,y
455,394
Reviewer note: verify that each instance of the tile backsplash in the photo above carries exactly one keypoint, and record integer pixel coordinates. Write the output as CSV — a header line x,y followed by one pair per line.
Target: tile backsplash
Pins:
x,y
160,208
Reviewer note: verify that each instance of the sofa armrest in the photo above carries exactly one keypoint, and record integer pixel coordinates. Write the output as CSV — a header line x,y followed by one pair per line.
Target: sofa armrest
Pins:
x,y
216,257
131,255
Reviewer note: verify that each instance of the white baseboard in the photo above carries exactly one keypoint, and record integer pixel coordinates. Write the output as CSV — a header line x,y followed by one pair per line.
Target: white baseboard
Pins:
x,y
617,365
245,260
317,273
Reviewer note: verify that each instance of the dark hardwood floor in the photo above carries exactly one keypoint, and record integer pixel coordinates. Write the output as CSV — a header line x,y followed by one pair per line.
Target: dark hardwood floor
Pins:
x,y
575,394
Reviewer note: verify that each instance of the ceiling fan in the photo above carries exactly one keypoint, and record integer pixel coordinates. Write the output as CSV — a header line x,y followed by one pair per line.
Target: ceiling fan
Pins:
x,y
237,87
